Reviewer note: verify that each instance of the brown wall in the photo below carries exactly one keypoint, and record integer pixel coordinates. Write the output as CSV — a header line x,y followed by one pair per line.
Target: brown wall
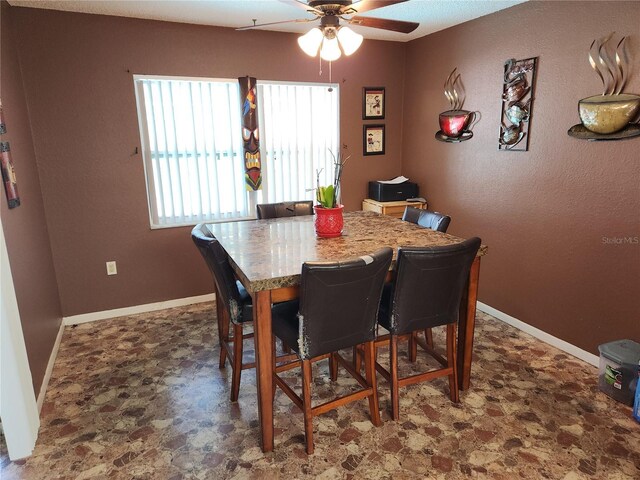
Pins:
x,y
77,73
25,227
543,213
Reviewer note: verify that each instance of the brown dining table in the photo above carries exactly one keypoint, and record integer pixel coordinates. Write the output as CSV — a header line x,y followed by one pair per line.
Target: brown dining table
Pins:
x,y
267,257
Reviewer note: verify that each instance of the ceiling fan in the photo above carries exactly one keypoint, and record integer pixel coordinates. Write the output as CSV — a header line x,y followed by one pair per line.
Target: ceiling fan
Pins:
x,y
331,38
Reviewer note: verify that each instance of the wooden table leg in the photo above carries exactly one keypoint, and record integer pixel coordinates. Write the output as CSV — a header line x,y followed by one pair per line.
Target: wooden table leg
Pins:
x,y
264,364
467,326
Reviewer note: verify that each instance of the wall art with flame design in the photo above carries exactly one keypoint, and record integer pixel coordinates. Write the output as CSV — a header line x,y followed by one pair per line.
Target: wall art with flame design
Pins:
x,y
613,115
456,123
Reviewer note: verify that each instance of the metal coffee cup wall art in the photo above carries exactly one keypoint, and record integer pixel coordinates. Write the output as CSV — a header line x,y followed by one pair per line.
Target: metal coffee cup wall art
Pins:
x,y
456,124
517,98
613,115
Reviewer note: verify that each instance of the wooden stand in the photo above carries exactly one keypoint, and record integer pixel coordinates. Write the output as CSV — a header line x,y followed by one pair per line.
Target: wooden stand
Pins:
x,y
393,209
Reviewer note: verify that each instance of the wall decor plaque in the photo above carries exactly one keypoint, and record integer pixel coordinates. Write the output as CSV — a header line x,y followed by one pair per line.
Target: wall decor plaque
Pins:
x,y
613,115
9,176
250,133
456,123
517,103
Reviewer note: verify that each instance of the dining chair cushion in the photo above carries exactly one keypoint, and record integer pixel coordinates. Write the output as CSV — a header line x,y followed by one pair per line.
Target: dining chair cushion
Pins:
x,y
428,287
285,324
245,304
284,209
232,294
427,219
338,305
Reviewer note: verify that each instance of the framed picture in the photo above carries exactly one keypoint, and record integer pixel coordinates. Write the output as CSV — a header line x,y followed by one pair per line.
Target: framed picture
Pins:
x,y
3,127
373,140
373,103
9,176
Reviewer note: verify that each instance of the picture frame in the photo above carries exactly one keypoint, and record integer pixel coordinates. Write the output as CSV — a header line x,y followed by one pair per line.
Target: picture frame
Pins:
x,y
373,140
373,103
3,127
9,176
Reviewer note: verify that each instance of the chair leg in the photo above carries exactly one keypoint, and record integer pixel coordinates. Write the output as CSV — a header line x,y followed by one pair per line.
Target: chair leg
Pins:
x,y
237,361
333,367
393,357
428,336
306,403
286,348
370,373
223,330
451,362
413,347
357,359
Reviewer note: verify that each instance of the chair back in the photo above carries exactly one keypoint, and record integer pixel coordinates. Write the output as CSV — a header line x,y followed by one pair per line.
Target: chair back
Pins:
x,y
284,209
411,214
339,302
429,285
218,262
427,219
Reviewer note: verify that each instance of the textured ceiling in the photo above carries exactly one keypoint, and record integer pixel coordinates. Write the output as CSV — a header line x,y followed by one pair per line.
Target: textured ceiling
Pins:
x,y
433,15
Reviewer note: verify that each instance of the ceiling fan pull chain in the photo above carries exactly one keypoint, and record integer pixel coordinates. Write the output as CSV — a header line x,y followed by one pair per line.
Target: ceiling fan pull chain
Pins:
x,y
319,66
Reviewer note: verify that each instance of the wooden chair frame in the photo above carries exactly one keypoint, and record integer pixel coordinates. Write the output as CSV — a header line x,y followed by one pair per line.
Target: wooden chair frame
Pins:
x,y
369,387
449,364
233,350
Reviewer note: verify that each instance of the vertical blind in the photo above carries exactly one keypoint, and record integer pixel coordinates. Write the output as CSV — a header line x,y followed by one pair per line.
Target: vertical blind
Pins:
x,y
299,127
192,146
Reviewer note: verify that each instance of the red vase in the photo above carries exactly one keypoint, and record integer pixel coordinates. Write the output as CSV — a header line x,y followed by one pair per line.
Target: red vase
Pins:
x,y
329,221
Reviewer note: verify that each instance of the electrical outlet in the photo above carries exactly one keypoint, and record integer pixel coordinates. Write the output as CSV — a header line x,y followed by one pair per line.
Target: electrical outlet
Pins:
x,y
111,268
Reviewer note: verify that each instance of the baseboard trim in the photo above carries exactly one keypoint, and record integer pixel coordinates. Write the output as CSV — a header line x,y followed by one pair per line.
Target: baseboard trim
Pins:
x,y
49,370
541,335
149,307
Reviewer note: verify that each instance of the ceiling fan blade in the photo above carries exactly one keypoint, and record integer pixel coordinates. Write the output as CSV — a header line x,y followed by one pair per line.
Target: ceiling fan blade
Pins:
x,y
367,5
384,24
300,20
304,5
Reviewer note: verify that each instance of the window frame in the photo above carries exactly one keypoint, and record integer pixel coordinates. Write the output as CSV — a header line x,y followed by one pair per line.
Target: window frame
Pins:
x,y
150,186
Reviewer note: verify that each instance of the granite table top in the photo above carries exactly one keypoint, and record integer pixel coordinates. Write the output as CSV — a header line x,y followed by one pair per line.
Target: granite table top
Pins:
x,y
268,254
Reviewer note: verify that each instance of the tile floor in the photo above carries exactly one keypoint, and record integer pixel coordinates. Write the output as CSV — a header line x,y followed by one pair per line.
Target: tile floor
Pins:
x,y
141,397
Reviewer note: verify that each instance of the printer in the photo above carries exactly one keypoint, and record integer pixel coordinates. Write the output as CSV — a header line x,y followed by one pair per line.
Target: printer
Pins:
x,y
392,192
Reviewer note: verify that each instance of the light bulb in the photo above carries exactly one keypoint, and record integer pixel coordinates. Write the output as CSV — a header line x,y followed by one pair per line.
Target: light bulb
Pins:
x,y
330,50
310,41
350,41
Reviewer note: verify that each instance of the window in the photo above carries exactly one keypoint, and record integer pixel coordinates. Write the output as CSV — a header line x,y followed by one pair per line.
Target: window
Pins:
x,y
299,131
192,146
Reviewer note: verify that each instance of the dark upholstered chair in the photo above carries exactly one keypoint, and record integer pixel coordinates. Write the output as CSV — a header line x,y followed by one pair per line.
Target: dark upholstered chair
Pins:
x,y
233,303
429,285
337,309
425,218
285,209
434,221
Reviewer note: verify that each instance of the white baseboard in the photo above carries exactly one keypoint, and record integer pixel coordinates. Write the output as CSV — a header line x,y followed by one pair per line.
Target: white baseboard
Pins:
x,y
149,307
541,335
49,370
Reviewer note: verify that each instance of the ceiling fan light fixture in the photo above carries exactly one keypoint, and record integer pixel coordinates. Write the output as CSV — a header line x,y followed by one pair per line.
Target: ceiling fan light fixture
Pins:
x,y
310,42
350,41
330,50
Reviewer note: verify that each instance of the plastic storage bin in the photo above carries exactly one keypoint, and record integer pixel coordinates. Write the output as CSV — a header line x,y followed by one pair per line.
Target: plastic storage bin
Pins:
x,y
636,404
618,375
